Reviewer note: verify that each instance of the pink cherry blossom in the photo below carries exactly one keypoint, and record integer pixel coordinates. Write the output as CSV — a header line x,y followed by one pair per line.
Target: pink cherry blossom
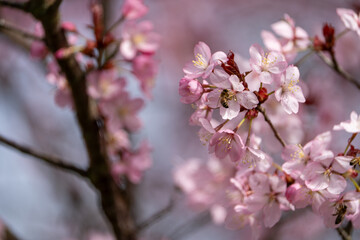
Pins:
x,y
203,182
145,69
204,62
350,19
202,111
116,141
327,174
63,95
289,94
227,143
297,157
190,90
121,112
104,84
232,89
133,164
352,125
296,37
138,37
272,43
265,65
38,49
133,9
268,196
345,206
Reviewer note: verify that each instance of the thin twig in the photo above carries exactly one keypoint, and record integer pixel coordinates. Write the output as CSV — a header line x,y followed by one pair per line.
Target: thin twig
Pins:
x,y
16,5
334,65
157,216
190,226
115,24
303,58
343,234
9,27
50,160
262,110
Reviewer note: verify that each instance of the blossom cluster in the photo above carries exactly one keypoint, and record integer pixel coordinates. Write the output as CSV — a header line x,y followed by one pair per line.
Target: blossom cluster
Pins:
x,y
241,183
107,59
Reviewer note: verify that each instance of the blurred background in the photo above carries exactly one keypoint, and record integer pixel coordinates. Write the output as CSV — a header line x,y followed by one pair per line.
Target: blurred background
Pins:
x,y
38,202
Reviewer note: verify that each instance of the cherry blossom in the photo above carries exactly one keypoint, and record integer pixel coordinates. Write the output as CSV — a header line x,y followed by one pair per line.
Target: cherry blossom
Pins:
x,y
350,19
138,37
204,62
133,9
265,65
289,95
294,36
145,70
133,164
190,90
327,174
352,125
104,84
121,112
269,195
227,143
333,212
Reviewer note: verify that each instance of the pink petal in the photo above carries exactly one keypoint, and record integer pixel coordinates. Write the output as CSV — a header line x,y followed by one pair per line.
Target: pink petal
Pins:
x,y
283,29
265,77
272,214
256,54
337,184
203,49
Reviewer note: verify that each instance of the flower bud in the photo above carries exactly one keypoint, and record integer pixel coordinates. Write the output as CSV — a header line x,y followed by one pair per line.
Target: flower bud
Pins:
x,y
190,90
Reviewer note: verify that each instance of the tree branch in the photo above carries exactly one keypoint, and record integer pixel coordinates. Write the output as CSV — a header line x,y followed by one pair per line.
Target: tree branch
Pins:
x,y
17,5
156,217
115,203
191,225
343,234
9,27
52,161
335,66
262,110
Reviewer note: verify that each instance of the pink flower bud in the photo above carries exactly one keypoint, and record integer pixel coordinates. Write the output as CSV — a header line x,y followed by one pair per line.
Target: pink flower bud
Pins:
x,y
69,26
190,90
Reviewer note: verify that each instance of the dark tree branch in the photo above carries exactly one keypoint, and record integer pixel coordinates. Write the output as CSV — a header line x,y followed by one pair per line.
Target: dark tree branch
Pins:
x,y
332,63
9,27
115,203
343,234
16,5
267,119
50,160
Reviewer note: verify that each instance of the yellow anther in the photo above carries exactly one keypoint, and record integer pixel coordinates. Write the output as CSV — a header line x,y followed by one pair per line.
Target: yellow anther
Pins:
x,y
200,61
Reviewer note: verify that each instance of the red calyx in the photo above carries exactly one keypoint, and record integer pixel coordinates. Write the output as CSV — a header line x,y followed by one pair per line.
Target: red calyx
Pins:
x,y
262,95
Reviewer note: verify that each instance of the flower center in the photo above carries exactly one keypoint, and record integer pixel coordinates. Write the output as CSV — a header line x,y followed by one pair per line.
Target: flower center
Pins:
x,y
138,38
200,61
266,61
227,141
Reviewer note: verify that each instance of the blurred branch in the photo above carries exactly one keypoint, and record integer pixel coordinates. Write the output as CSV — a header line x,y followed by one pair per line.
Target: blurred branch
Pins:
x,y
16,5
303,58
332,63
52,161
9,235
9,27
267,119
114,202
191,225
157,216
343,234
